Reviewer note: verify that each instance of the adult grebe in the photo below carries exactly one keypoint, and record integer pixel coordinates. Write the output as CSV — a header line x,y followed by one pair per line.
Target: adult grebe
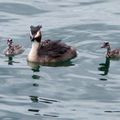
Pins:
x,y
48,51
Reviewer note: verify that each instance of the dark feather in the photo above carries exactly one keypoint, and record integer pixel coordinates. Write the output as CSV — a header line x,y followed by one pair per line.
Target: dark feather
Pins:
x,y
34,29
53,48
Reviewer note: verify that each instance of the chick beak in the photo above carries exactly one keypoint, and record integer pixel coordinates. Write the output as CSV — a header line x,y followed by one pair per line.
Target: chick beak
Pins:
x,y
102,46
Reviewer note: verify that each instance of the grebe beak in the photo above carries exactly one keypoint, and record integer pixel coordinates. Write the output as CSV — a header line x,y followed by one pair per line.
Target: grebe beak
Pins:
x,y
33,37
102,46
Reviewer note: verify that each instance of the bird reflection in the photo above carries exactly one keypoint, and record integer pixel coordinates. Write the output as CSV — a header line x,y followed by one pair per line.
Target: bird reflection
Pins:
x,y
43,100
35,68
34,98
10,60
62,64
104,67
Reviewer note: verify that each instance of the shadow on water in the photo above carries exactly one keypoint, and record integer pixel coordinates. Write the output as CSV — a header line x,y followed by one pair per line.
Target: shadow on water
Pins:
x,y
104,67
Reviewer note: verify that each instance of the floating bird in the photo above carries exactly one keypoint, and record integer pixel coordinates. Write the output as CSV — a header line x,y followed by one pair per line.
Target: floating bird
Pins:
x,y
48,51
113,54
13,49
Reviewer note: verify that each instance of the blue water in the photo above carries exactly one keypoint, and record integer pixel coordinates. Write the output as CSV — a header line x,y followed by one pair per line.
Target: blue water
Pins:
x,y
87,88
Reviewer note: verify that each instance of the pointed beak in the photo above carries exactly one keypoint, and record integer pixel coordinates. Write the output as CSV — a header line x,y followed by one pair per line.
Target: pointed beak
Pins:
x,y
9,42
102,46
31,36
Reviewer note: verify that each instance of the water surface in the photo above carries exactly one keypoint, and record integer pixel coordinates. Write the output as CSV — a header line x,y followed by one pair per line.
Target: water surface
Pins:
x,y
87,88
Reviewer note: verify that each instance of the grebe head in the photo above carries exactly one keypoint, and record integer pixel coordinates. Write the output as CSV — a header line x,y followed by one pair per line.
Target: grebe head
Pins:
x,y
106,45
9,42
35,33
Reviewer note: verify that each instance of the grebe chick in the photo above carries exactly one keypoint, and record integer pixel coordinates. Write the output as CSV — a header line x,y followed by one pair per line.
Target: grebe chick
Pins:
x,y
115,53
13,49
48,51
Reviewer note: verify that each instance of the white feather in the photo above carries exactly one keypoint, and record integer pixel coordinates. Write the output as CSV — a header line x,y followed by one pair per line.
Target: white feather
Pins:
x,y
37,35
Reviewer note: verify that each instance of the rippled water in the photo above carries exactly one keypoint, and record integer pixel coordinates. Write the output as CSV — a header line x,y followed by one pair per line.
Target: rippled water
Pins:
x,y
87,88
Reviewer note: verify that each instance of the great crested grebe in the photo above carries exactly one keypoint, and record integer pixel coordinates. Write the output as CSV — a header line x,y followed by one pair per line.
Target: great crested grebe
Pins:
x,y
48,51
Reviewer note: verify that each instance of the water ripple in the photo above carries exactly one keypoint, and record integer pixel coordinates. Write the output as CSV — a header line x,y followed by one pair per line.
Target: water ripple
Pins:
x,y
92,2
19,9
85,88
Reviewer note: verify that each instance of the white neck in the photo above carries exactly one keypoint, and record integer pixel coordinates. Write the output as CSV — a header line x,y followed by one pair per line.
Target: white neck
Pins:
x,y
34,50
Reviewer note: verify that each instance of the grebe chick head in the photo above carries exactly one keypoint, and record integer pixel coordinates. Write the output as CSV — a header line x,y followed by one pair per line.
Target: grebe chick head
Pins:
x,y
35,33
9,42
106,45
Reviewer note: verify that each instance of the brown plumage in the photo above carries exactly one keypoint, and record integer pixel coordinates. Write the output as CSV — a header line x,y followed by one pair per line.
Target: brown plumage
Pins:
x,y
13,49
53,48
48,51
111,53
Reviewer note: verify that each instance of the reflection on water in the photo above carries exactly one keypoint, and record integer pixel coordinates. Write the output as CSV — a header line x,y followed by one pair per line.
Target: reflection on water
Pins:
x,y
64,91
38,100
34,98
50,115
36,66
36,69
104,67
43,100
111,111
33,110
11,61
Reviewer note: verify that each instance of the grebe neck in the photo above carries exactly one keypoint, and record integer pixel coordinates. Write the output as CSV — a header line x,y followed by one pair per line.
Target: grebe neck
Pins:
x,y
108,49
34,50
